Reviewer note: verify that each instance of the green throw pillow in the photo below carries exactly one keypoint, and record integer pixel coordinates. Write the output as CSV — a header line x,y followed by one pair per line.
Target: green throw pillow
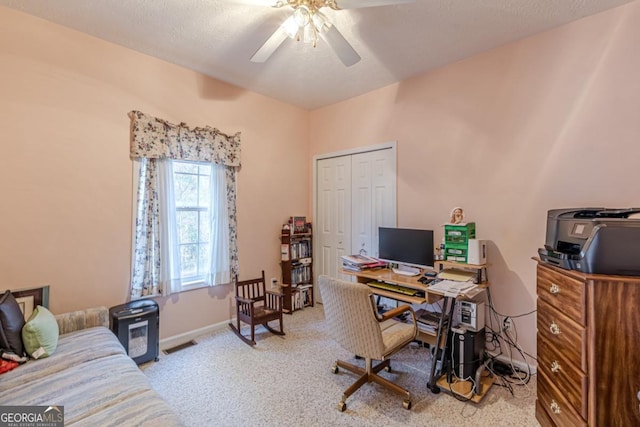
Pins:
x,y
40,333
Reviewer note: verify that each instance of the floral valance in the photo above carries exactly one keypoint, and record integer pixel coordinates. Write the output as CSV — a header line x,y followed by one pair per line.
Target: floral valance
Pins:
x,y
158,139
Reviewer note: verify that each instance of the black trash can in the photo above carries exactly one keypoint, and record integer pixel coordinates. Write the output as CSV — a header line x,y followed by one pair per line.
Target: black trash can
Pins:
x,y
137,326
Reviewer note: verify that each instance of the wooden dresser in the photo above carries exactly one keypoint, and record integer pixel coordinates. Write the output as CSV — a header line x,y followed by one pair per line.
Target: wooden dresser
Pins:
x,y
588,349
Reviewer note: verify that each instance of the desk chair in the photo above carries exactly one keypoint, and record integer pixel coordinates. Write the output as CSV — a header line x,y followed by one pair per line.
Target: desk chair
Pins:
x,y
354,323
256,306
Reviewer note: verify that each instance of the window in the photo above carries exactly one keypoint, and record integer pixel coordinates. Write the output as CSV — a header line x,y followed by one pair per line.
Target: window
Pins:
x,y
184,209
181,228
192,193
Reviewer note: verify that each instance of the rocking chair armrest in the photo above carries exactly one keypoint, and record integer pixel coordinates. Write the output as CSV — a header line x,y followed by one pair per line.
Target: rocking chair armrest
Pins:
x,y
398,311
274,300
277,294
246,300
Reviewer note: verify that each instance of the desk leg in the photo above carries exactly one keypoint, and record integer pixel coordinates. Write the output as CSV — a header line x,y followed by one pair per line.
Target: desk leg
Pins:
x,y
449,305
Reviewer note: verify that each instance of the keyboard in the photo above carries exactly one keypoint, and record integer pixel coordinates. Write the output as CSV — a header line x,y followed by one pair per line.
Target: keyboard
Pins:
x,y
396,288
406,271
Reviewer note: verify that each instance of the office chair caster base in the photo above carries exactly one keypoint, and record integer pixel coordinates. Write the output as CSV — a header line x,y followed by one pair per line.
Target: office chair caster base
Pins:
x,y
342,406
434,388
406,404
335,369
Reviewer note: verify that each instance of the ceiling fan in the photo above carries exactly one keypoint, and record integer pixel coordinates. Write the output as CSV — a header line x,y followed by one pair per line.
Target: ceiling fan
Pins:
x,y
308,24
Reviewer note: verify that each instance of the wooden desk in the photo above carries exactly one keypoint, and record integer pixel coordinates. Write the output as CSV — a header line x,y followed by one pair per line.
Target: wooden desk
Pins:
x,y
388,276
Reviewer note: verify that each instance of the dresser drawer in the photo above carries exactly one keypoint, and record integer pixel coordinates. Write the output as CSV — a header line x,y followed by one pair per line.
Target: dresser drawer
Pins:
x,y
555,405
566,377
565,335
563,292
543,418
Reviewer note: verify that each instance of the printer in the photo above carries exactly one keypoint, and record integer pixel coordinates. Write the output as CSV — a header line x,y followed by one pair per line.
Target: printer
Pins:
x,y
594,240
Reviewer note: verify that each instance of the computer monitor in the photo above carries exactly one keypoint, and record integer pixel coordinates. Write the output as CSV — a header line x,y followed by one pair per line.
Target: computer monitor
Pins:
x,y
406,246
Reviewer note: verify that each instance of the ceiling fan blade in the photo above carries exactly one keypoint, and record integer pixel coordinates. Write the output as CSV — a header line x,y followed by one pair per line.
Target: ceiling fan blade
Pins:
x,y
270,46
341,46
354,4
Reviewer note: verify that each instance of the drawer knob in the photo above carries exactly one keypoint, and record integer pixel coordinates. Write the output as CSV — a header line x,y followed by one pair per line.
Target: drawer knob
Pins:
x,y
554,328
555,367
554,289
555,408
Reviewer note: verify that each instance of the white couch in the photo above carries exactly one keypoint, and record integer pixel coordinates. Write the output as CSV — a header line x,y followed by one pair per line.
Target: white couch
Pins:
x,y
90,375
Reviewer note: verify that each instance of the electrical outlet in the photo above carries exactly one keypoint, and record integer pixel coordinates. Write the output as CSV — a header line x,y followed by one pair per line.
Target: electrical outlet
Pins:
x,y
274,282
507,324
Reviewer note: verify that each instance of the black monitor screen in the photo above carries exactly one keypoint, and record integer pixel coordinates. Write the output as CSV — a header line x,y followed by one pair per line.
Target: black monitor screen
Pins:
x,y
406,246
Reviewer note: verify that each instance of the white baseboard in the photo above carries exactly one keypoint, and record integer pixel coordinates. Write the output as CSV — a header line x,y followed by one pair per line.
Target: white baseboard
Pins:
x,y
176,340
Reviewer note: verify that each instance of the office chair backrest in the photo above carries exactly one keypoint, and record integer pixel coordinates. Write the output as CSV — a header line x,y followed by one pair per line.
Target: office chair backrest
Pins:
x,y
350,314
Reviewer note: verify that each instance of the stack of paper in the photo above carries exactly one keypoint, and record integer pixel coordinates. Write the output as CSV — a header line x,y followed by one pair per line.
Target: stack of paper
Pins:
x,y
360,262
457,275
428,321
451,285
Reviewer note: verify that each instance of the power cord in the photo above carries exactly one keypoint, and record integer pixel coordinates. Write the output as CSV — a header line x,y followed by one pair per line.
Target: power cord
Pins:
x,y
502,340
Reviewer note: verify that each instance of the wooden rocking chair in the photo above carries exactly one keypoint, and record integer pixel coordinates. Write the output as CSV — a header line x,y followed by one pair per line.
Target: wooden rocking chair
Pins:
x,y
256,306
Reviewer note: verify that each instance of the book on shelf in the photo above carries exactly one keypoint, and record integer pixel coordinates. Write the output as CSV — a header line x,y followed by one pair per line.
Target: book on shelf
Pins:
x,y
298,224
300,298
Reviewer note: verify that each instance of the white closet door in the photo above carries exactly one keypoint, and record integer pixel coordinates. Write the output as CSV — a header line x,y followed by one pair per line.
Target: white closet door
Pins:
x,y
355,194
332,230
373,198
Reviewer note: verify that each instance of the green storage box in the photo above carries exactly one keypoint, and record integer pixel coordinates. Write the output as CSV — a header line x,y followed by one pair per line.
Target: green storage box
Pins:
x,y
459,233
456,252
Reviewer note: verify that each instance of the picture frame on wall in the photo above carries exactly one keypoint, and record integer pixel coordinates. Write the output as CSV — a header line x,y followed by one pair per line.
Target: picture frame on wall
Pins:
x,y
29,299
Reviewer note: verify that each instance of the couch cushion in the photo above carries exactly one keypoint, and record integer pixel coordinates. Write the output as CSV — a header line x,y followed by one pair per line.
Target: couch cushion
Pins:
x,y
40,334
143,409
74,349
92,393
11,323
93,378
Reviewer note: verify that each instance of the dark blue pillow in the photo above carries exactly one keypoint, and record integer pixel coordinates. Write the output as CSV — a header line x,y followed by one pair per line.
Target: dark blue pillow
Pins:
x,y
11,324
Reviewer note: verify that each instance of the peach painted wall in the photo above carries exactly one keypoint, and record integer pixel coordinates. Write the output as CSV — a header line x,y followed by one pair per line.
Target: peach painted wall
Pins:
x,y
551,121
66,176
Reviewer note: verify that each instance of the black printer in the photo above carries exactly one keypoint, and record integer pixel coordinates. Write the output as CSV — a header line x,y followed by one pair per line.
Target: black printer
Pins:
x,y
594,240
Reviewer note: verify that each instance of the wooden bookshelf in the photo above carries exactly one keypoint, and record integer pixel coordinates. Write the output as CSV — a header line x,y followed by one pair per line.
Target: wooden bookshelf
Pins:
x,y
297,269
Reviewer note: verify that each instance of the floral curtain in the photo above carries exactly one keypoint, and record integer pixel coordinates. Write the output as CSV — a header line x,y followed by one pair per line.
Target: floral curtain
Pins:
x,y
154,140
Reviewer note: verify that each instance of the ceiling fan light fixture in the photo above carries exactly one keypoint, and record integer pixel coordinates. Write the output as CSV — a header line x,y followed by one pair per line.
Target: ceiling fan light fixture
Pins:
x,y
307,24
290,27
309,35
302,16
321,22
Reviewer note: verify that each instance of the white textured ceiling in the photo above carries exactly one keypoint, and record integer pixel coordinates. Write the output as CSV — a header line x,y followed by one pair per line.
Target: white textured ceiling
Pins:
x,y
218,37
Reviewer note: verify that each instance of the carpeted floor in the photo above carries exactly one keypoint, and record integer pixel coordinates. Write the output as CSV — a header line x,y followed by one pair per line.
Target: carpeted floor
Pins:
x,y
287,381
